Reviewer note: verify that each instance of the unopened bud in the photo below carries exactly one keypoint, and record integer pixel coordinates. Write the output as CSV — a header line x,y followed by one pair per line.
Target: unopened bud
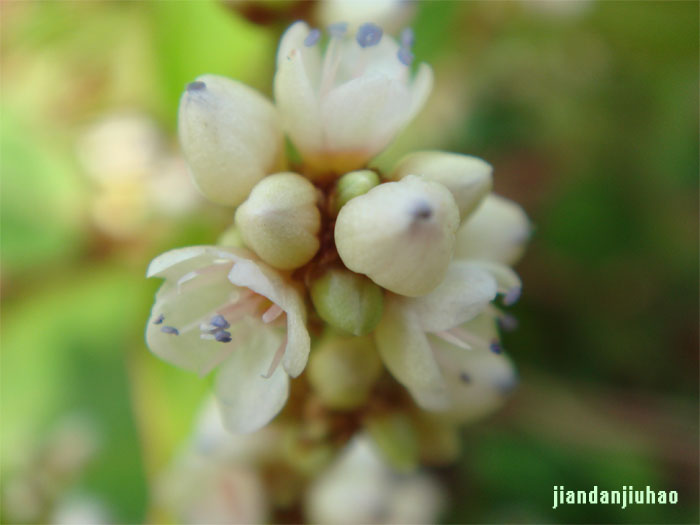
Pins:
x,y
230,136
468,178
343,370
353,185
231,237
280,220
396,439
400,234
347,301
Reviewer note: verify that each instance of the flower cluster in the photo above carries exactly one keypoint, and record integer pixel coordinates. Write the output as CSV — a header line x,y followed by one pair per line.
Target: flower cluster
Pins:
x,y
399,268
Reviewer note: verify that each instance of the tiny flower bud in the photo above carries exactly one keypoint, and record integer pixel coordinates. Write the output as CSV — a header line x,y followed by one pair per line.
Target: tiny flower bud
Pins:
x,y
468,178
347,301
231,237
280,220
230,136
343,370
353,185
400,234
395,438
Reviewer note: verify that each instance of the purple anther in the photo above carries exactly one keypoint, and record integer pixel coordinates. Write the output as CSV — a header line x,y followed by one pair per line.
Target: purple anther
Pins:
x,y
170,330
368,35
405,56
464,377
197,85
507,323
338,29
223,336
407,38
512,295
313,37
219,321
495,347
159,319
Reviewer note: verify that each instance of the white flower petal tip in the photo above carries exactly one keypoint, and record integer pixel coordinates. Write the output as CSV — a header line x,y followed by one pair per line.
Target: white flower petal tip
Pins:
x,y
468,178
280,220
230,136
507,281
391,15
410,252
343,107
498,230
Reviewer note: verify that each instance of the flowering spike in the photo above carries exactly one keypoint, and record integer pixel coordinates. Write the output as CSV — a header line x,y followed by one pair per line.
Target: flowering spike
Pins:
x,y
312,38
369,35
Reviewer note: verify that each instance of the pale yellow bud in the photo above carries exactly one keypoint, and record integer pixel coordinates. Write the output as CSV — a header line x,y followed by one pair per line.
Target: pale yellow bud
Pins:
x,y
280,220
230,136
343,370
468,178
400,234
352,185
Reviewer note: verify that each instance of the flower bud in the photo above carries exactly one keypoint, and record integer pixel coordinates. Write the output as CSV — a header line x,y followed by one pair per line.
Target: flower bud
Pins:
x,y
400,234
280,220
468,178
343,370
230,136
231,237
395,438
352,185
347,301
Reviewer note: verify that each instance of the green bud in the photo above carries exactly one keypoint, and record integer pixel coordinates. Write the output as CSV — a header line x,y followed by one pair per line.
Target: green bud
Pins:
x,y
352,185
231,237
347,301
280,220
343,370
395,438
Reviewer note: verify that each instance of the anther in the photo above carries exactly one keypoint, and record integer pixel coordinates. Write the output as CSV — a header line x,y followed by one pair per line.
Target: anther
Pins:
x,y
219,321
495,347
159,319
512,296
312,37
507,323
464,377
170,330
223,336
338,29
422,211
405,56
197,85
407,38
368,35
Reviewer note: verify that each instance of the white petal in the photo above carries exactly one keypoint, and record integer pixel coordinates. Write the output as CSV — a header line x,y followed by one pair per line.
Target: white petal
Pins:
x,y
497,231
420,90
468,178
247,400
263,280
293,39
466,290
230,136
187,299
509,284
405,350
364,115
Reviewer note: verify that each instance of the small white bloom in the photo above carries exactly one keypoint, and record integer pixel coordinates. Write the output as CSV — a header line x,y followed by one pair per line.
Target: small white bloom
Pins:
x,y
400,234
345,105
220,306
230,136
497,231
361,488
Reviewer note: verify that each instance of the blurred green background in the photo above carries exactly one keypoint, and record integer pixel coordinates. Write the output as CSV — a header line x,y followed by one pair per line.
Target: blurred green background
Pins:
x,y
589,114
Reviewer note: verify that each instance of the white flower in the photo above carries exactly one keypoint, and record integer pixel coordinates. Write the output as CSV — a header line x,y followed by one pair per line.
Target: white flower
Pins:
x,y
221,307
391,15
345,105
361,488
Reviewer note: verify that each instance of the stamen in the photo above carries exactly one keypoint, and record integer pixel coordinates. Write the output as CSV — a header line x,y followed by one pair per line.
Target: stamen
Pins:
x,y
338,29
405,56
369,34
312,37
495,347
512,296
464,378
451,338
407,38
159,319
276,359
223,336
197,85
219,321
170,330
422,211
272,313
507,322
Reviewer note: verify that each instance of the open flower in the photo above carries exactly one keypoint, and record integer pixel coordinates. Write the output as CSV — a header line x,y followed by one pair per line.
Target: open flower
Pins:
x,y
223,308
343,106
